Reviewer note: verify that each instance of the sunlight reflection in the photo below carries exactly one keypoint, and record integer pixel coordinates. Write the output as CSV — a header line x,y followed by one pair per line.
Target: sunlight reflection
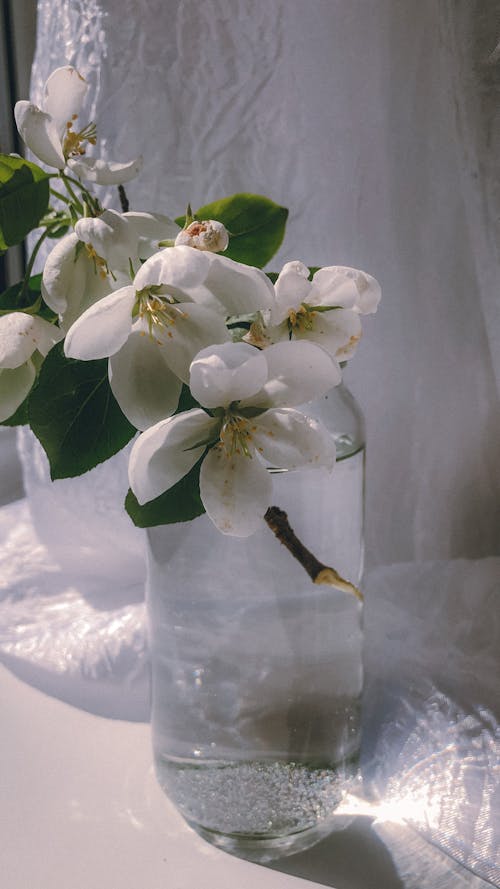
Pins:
x,y
415,809
435,769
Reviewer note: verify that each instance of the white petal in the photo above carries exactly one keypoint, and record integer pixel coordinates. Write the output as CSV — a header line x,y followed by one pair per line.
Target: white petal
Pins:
x,y
242,289
64,275
15,385
334,330
142,383
299,371
347,287
333,287
105,172
39,132
72,282
150,228
166,452
64,93
236,492
21,335
233,371
112,237
369,292
46,335
292,288
16,345
177,268
102,329
96,288
194,327
154,226
288,439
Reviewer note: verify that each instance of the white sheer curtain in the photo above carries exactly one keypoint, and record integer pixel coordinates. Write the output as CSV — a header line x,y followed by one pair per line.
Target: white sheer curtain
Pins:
x,y
374,121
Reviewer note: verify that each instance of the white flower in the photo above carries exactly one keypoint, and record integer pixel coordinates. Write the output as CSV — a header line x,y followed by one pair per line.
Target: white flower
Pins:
x,y
73,279
53,135
152,329
102,172
252,395
21,337
325,310
111,237
208,234
86,266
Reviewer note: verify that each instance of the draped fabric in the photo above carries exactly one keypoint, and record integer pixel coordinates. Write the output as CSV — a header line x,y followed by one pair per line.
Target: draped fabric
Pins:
x,y
376,123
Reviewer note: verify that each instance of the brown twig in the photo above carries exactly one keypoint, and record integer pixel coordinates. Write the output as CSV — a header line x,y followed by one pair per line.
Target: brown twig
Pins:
x,y
124,202
278,522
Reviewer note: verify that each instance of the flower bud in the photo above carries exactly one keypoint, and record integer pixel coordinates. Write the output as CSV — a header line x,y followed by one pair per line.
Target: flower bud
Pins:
x,y
207,234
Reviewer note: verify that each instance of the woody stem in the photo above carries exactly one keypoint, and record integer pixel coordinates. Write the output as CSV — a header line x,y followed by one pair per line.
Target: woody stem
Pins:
x,y
319,573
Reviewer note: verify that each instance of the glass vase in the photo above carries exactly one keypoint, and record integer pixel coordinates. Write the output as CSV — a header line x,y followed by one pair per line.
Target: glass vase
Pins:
x,y
257,672
81,520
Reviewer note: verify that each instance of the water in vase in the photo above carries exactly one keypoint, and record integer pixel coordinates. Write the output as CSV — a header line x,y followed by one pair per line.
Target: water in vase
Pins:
x,y
257,671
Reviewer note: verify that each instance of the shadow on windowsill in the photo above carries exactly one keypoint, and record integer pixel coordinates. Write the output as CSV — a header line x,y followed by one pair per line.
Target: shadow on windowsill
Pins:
x,y
354,858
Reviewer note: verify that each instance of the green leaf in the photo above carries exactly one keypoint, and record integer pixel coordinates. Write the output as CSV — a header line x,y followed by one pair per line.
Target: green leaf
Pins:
x,y
16,298
180,503
19,298
74,414
255,223
24,198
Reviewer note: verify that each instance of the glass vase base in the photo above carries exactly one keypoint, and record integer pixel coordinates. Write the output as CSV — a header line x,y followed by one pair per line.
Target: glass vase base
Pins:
x,y
259,810
263,850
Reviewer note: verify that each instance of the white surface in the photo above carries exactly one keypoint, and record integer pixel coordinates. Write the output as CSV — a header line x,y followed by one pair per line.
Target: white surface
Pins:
x,y
82,521
80,808
377,124
76,788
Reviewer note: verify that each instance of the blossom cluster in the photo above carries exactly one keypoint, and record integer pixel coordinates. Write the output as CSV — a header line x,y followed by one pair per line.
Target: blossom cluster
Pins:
x,y
171,313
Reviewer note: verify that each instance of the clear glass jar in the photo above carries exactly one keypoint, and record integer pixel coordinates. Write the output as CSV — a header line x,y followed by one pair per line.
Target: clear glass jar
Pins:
x,y
257,672
339,411
82,520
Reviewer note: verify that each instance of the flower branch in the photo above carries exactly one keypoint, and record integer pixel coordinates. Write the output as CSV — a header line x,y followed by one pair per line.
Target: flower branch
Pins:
x,y
172,330
319,573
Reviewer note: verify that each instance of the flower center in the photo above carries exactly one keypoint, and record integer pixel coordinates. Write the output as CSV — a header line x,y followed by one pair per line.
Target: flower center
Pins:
x,y
73,141
160,313
236,435
301,319
257,336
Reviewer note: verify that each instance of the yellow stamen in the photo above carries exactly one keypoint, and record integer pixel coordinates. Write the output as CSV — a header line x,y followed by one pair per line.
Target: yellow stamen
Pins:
x,y
73,142
159,313
301,319
101,267
235,436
